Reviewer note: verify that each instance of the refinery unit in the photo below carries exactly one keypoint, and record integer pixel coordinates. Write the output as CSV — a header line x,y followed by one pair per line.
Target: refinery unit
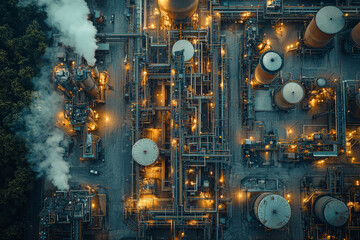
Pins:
x,y
243,121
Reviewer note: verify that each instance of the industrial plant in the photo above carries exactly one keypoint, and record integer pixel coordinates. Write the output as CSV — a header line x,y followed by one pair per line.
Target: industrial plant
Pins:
x,y
210,119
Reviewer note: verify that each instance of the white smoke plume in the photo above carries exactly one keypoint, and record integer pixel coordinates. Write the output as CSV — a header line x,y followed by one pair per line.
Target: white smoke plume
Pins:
x,y
44,140
70,17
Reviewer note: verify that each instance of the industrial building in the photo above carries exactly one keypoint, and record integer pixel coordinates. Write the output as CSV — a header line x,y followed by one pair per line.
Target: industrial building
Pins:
x,y
220,119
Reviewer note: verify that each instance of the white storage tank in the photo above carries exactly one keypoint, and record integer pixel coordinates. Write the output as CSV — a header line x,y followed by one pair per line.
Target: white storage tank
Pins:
x,y
178,9
291,93
324,26
272,210
331,211
186,46
145,152
268,68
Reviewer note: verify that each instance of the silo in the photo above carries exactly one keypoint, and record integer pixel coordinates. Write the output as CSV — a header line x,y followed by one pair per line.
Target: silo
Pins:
x,y
355,35
331,211
291,93
178,9
84,78
328,21
272,210
145,152
186,46
268,68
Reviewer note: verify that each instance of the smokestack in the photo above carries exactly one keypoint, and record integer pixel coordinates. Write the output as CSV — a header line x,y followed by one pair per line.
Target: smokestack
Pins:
x,y
178,9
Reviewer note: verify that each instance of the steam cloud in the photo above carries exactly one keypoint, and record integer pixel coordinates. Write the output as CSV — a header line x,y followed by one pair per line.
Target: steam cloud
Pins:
x,y
70,17
43,138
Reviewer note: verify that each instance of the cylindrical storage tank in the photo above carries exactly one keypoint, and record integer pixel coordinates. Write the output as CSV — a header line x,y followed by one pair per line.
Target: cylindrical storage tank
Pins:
x,y
272,210
355,35
328,21
331,211
268,68
178,9
291,93
86,81
186,46
145,152
320,82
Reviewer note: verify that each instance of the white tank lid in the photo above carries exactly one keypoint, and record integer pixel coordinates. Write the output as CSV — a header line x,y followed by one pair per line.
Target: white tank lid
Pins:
x,y
330,20
145,152
336,213
293,92
271,61
186,46
274,211
321,82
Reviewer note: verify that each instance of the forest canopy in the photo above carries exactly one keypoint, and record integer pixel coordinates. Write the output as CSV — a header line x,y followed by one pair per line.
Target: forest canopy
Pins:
x,y
22,43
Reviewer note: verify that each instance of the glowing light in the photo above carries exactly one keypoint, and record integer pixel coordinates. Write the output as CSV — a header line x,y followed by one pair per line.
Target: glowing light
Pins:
x,y
145,72
357,182
93,205
288,196
289,131
107,119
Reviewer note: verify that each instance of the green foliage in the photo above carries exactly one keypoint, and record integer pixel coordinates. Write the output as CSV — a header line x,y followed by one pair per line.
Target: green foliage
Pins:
x,y
22,43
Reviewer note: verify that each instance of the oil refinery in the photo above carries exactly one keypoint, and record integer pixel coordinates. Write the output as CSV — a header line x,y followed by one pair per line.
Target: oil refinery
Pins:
x,y
211,119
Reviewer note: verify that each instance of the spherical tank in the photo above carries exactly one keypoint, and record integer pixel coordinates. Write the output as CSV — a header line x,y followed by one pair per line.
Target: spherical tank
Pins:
x,y
328,21
272,210
186,46
268,68
331,211
178,9
145,152
355,35
320,82
291,93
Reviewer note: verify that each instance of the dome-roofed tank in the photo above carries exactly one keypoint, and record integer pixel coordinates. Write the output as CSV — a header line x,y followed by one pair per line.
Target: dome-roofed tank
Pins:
x,y
178,9
291,93
331,211
328,21
186,46
320,82
268,68
145,152
272,210
355,35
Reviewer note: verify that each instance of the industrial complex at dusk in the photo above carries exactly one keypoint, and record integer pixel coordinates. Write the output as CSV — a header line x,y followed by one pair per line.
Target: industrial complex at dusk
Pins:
x,y
196,119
